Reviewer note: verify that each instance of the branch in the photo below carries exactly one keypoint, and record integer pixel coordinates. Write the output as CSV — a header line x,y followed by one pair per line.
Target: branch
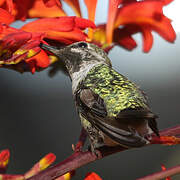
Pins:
x,y
79,159
162,174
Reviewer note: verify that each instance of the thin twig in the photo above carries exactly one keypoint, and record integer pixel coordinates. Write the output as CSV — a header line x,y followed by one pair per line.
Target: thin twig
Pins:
x,y
162,174
79,159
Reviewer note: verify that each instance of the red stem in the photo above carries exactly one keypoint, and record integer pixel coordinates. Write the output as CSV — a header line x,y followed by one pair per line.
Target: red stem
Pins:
x,y
79,159
162,174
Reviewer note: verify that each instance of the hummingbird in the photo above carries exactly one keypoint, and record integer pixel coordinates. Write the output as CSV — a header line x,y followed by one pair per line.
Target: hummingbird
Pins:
x,y
112,109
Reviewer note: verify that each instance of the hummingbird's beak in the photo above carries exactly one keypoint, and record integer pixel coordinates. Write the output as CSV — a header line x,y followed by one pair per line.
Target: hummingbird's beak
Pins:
x,y
56,51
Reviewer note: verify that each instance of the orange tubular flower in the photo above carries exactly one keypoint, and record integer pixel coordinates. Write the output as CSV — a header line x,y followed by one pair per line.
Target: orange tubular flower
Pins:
x,y
74,4
166,140
41,165
66,176
48,9
22,9
20,45
125,18
62,28
113,8
132,16
91,7
4,160
92,176
17,46
5,17
147,16
51,3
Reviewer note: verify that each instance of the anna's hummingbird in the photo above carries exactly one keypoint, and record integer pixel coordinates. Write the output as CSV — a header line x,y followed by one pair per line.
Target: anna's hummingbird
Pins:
x,y
112,109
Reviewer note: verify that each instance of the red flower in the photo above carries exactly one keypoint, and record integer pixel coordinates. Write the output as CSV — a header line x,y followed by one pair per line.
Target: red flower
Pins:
x,y
17,46
166,140
4,160
45,9
91,8
74,4
63,28
51,3
22,9
147,16
125,18
66,176
92,176
5,17
41,165
20,45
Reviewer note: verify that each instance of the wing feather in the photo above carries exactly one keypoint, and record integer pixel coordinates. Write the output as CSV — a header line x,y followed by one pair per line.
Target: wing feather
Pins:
x,y
93,108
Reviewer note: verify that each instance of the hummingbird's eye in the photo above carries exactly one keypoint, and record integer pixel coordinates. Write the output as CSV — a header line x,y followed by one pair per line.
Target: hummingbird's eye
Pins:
x,y
82,45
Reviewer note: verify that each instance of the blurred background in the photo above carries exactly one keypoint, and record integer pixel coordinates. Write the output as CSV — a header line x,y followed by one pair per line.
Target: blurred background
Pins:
x,y
37,113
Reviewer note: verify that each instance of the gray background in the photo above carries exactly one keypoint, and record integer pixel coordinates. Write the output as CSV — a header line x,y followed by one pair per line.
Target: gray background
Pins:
x,y
38,116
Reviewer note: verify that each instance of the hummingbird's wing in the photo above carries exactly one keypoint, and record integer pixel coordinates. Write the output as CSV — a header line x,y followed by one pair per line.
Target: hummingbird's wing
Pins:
x,y
120,129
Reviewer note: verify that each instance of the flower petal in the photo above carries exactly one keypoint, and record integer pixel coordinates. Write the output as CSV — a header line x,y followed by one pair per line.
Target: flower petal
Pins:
x,y
123,37
75,35
41,165
91,7
74,4
21,9
92,176
39,9
147,13
112,12
166,2
17,46
69,28
14,40
166,140
147,38
41,59
10,5
6,17
4,160
50,3
63,24
47,161
84,23
2,2
100,35
66,176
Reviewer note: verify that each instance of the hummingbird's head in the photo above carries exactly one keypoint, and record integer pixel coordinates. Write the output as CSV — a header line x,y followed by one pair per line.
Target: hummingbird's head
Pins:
x,y
78,55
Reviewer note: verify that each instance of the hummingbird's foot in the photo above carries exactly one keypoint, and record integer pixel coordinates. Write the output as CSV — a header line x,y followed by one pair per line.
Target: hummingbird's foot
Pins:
x,y
94,151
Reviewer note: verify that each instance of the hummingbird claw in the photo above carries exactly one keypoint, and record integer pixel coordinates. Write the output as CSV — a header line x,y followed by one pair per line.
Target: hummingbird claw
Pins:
x,y
94,151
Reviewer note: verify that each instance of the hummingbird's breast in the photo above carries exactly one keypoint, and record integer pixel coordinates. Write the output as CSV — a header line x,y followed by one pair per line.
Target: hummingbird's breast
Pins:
x,y
116,90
